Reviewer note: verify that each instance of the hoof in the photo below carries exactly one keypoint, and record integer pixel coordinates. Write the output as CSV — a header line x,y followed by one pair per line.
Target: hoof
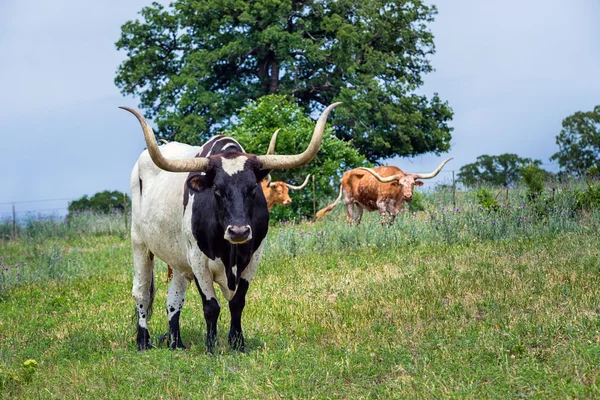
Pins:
x,y
143,339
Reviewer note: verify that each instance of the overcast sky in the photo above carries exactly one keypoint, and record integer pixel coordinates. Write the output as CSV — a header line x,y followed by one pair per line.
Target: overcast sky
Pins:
x,y
512,70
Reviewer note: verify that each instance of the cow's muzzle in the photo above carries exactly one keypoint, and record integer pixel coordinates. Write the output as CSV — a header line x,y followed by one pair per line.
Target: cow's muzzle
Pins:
x,y
236,234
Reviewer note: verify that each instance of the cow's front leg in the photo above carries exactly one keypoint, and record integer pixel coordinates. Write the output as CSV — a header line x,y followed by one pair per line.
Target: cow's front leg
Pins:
x,y
236,307
210,305
382,208
175,299
143,291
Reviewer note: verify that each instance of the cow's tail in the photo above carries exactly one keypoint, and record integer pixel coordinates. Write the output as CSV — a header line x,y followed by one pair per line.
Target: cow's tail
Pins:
x,y
152,293
330,207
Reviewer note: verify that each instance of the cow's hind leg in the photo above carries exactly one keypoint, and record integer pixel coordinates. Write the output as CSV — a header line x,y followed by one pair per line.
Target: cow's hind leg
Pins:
x,y
143,292
236,307
175,299
359,214
349,212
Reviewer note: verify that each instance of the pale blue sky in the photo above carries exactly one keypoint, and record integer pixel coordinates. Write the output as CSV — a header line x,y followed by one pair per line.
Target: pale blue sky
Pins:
x,y
511,70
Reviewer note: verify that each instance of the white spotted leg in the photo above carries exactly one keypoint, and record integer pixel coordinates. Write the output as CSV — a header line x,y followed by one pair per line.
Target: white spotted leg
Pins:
x,y
175,300
143,291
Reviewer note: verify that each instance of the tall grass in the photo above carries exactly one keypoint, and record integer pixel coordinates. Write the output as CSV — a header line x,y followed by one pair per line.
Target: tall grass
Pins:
x,y
40,227
447,219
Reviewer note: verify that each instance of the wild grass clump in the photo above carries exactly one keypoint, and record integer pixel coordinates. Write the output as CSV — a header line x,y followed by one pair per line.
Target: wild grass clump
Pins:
x,y
40,227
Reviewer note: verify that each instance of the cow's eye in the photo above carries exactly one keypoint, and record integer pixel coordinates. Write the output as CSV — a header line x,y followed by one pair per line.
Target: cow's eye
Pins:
x,y
217,193
279,191
252,191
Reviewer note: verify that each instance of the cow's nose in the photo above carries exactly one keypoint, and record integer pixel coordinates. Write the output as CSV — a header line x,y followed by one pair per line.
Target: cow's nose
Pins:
x,y
408,198
287,202
238,234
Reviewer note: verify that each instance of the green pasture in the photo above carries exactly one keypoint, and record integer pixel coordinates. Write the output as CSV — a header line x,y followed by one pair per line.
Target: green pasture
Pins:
x,y
453,301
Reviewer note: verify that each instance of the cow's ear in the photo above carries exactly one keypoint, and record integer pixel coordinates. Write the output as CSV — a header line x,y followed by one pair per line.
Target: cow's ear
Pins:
x,y
261,174
200,180
418,183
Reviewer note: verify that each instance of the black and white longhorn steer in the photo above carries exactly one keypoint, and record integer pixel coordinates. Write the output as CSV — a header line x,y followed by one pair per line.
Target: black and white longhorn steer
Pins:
x,y
201,211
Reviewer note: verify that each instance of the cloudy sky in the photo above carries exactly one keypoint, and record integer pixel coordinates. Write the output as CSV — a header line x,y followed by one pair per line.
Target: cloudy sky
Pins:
x,y
511,70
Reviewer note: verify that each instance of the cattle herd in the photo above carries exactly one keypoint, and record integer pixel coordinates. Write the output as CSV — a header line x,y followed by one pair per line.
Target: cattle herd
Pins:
x,y
200,210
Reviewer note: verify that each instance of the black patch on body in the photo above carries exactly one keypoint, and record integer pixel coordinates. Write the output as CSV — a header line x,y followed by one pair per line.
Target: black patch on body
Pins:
x,y
209,232
140,186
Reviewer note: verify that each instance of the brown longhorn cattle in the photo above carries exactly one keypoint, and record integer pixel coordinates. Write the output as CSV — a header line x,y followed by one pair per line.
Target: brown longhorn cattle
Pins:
x,y
277,193
382,189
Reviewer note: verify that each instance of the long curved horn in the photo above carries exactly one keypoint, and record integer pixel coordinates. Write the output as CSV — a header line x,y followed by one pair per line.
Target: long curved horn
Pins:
x,y
163,141
379,177
186,165
271,149
299,187
434,173
292,161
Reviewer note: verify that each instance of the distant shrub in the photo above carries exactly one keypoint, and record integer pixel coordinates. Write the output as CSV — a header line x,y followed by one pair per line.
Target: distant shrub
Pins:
x,y
589,198
486,200
417,203
533,178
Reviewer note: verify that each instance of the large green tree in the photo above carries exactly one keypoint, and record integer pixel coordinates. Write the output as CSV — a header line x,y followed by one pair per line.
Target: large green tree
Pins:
x,y
196,63
504,169
255,126
579,142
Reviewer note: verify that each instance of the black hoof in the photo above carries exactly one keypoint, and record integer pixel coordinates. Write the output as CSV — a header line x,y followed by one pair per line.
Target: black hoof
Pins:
x,y
145,346
236,342
177,345
143,339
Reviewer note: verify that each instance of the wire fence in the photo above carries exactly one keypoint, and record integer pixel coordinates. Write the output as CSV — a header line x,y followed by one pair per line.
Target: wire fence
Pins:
x,y
17,216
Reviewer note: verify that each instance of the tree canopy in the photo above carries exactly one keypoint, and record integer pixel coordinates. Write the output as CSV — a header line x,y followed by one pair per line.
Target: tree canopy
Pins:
x,y
101,202
257,123
504,169
196,63
579,142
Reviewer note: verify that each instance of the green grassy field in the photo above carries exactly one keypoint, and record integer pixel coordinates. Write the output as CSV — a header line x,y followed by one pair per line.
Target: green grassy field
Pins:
x,y
446,303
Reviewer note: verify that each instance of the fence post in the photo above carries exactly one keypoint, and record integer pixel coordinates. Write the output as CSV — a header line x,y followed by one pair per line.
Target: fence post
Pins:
x,y
14,231
314,197
453,190
125,210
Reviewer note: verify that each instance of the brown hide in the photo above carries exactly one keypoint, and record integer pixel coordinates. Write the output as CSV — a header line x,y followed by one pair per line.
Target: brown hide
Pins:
x,y
363,189
276,193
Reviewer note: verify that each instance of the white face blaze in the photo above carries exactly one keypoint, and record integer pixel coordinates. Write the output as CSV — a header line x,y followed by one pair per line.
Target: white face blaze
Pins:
x,y
233,165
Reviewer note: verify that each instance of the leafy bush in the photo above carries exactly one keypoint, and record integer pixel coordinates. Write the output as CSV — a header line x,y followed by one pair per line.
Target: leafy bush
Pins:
x,y
533,177
417,203
257,123
589,198
486,200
